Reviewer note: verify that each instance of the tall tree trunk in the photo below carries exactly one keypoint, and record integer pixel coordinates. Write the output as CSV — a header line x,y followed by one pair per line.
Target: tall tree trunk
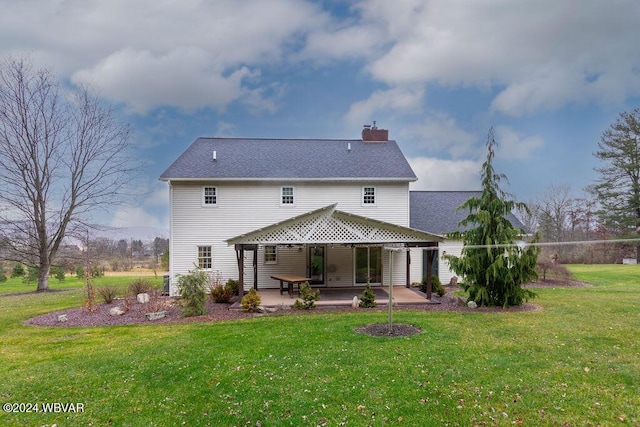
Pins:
x,y
43,276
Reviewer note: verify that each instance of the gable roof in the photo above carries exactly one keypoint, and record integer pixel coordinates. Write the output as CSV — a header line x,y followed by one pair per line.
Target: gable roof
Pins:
x,y
435,211
329,225
290,159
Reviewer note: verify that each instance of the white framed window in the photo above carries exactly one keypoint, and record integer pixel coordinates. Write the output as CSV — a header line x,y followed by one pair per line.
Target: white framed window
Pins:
x,y
205,257
287,196
270,254
368,196
209,196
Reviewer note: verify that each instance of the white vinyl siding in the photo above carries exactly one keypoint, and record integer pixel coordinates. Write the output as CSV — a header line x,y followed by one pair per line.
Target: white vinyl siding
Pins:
x,y
191,223
416,265
450,247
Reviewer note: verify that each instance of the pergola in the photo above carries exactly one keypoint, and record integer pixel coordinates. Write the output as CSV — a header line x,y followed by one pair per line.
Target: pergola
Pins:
x,y
328,225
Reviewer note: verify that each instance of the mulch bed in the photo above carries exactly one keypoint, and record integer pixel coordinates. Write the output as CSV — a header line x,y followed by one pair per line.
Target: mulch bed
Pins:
x,y
216,312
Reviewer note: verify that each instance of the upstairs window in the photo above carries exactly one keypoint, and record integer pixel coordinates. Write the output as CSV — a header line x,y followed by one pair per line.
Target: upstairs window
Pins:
x,y
205,258
287,196
209,196
368,196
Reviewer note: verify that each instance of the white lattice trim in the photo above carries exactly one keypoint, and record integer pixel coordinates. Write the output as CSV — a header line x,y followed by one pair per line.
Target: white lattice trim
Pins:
x,y
328,225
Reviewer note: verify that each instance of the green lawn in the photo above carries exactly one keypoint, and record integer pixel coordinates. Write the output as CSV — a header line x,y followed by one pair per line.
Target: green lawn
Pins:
x,y
576,361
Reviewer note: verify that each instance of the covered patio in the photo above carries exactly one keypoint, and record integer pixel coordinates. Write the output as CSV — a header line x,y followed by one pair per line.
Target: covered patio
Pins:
x,y
333,249
344,296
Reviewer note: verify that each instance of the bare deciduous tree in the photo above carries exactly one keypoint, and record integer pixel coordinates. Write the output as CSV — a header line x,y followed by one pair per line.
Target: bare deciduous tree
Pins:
x,y
554,215
63,155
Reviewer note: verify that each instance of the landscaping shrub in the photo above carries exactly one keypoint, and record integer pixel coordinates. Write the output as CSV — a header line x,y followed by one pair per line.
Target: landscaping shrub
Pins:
x,y
58,273
90,300
368,298
107,293
192,289
31,276
309,297
436,286
221,293
18,271
80,272
250,301
156,304
233,285
553,270
3,276
140,286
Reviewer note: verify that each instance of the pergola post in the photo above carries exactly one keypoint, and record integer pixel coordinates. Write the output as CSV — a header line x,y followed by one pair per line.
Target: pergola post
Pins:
x,y
430,254
408,284
255,267
240,259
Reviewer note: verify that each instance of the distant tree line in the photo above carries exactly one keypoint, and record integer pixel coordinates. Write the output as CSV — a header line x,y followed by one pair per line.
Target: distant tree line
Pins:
x,y
608,209
561,217
105,255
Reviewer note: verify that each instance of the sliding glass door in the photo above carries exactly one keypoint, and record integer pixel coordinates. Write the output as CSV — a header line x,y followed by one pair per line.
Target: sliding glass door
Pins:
x,y
316,265
369,265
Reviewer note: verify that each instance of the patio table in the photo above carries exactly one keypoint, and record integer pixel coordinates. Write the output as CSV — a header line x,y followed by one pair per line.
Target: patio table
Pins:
x,y
291,280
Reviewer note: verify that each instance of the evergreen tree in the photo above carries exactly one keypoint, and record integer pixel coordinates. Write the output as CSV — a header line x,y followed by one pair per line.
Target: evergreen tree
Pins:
x,y
618,186
492,266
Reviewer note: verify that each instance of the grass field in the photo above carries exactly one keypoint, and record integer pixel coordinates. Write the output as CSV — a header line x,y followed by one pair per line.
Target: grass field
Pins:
x,y
575,361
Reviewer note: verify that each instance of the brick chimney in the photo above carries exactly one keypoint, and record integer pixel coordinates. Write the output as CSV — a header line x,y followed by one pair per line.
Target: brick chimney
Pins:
x,y
373,134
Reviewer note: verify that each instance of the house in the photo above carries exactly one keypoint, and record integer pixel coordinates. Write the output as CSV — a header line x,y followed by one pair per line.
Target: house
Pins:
x,y
331,211
437,212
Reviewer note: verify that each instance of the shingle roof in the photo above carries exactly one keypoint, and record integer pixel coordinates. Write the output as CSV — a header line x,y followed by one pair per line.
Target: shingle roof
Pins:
x,y
250,158
435,211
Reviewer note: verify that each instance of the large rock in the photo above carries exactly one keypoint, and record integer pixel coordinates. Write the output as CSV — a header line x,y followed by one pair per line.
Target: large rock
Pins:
x,y
116,311
472,304
62,318
143,298
156,315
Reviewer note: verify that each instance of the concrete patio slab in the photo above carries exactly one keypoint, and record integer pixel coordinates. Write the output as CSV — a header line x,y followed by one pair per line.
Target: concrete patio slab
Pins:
x,y
344,296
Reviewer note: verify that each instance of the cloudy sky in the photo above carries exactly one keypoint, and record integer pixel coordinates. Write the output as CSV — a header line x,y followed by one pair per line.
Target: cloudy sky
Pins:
x,y
549,75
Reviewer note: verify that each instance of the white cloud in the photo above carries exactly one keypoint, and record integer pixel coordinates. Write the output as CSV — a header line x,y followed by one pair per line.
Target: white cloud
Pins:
x,y
185,78
513,146
188,54
406,99
150,211
438,132
353,42
540,54
225,129
439,175
137,217
158,197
